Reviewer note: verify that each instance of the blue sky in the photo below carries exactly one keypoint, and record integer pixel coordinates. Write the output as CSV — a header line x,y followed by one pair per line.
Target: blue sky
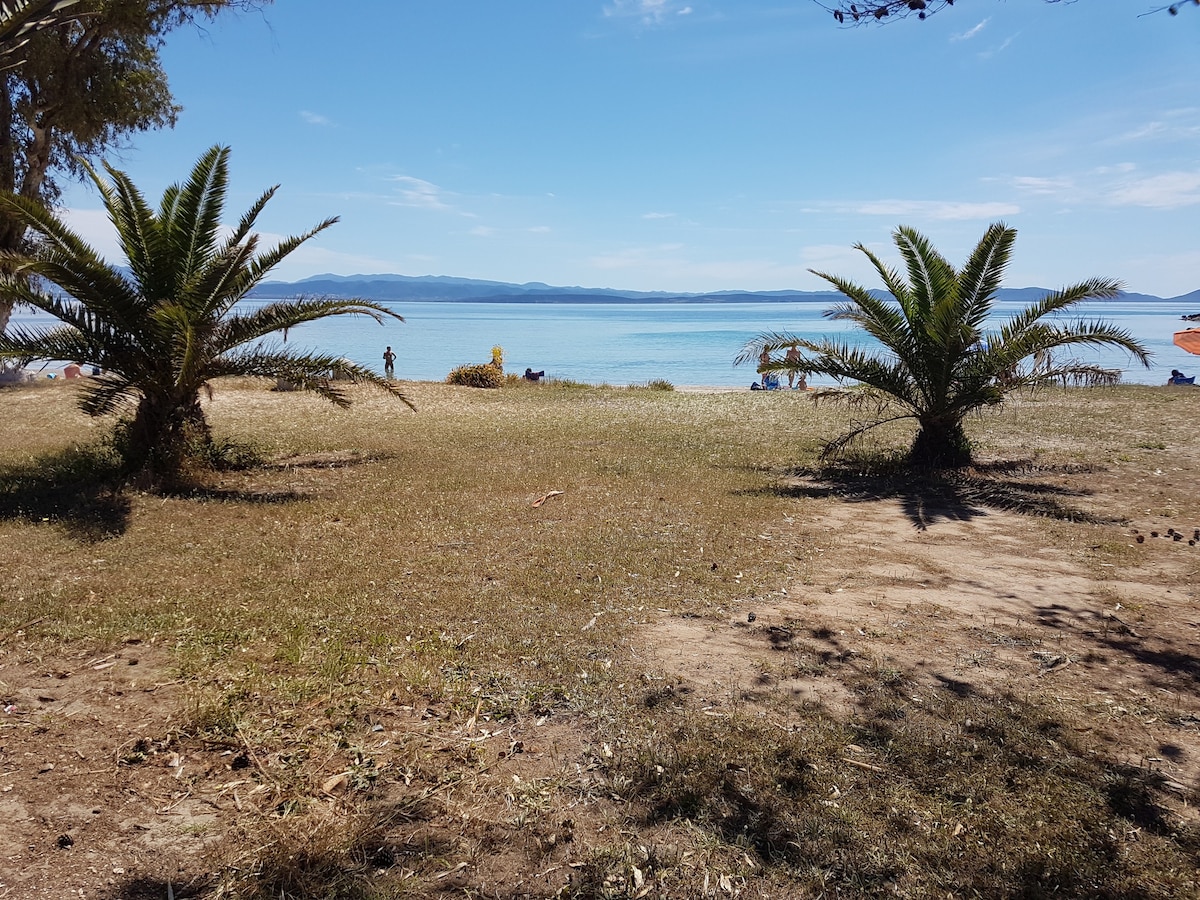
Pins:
x,y
694,146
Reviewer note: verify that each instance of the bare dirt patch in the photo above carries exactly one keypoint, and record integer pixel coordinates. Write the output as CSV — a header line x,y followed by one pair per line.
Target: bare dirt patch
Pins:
x,y
978,602
89,798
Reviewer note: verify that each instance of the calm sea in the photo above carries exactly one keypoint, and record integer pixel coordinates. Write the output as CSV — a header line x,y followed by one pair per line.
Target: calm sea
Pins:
x,y
632,343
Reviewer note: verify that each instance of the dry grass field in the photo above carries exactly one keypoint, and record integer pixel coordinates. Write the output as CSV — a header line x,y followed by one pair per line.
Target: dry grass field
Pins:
x,y
576,642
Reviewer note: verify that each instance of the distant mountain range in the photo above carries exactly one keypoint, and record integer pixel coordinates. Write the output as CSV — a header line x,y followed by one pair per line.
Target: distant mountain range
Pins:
x,y
447,288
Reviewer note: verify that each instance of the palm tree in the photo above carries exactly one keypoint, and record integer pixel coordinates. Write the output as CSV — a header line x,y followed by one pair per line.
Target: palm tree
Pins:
x,y
938,363
162,332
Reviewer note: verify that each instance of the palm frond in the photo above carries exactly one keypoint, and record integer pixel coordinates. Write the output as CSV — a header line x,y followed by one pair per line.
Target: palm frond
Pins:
x,y
1061,300
930,277
847,439
106,394
880,317
196,219
889,276
137,229
268,260
981,277
251,216
242,328
48,344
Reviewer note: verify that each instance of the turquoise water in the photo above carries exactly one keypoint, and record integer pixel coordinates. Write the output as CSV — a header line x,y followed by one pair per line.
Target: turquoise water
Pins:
x,y
632,343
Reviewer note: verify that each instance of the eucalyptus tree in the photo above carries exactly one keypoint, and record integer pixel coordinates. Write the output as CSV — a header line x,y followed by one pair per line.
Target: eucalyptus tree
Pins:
x,y
89,78
161,330
20,19
942,354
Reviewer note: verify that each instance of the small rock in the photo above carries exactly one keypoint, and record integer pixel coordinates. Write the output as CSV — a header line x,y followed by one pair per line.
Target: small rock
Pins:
x,y
64,841
336,783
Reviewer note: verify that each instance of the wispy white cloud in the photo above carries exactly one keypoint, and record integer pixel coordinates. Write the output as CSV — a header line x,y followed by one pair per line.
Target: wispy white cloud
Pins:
x,y
937,210
418,193
648,12
970,32
1166,190
482,231
313,118
658,215
1179,126
1119,184
634,257
996,51
539,229
1042,186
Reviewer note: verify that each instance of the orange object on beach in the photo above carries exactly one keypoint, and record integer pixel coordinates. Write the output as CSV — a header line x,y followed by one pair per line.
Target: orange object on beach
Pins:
x,y
1189,340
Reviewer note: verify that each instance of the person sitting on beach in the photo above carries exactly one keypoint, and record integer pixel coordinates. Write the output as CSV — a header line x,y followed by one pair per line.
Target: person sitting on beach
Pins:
x,y
1178,377
531,375
764,360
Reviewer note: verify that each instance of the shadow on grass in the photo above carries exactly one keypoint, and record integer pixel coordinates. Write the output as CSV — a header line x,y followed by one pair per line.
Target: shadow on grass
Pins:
x,y
84,491
234,495
79,489
930,497
335,460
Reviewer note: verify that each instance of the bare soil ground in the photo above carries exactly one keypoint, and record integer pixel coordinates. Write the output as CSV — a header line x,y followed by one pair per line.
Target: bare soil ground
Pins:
x,y
980,605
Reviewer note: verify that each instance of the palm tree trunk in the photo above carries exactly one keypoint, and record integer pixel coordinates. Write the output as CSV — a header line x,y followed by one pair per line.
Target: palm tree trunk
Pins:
x,y
940,444
164,433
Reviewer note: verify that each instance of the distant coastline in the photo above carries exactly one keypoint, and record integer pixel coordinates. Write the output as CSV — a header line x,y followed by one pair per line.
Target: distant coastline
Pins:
x,y
448,289
557,298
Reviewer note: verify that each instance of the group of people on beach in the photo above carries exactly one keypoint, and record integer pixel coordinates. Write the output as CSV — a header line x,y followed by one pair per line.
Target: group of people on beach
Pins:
x,y
389,367
770,379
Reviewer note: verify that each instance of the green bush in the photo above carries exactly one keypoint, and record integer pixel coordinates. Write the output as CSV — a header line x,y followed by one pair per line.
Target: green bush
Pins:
x,y
480,376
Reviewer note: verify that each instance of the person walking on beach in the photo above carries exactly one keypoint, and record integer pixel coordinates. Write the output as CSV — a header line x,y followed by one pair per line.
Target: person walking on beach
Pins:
x,y
793,356
389,362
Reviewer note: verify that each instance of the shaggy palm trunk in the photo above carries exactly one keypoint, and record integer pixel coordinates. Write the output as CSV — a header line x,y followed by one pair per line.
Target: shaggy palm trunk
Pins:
x,y
164,433
940,444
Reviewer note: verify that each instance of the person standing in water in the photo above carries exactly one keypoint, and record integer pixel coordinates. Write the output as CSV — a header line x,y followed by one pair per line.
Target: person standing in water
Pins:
x,y
389,362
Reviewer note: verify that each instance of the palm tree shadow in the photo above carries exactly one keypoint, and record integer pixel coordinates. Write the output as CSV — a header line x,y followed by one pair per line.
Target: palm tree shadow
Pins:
x,y
79,489
83,491
928,497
